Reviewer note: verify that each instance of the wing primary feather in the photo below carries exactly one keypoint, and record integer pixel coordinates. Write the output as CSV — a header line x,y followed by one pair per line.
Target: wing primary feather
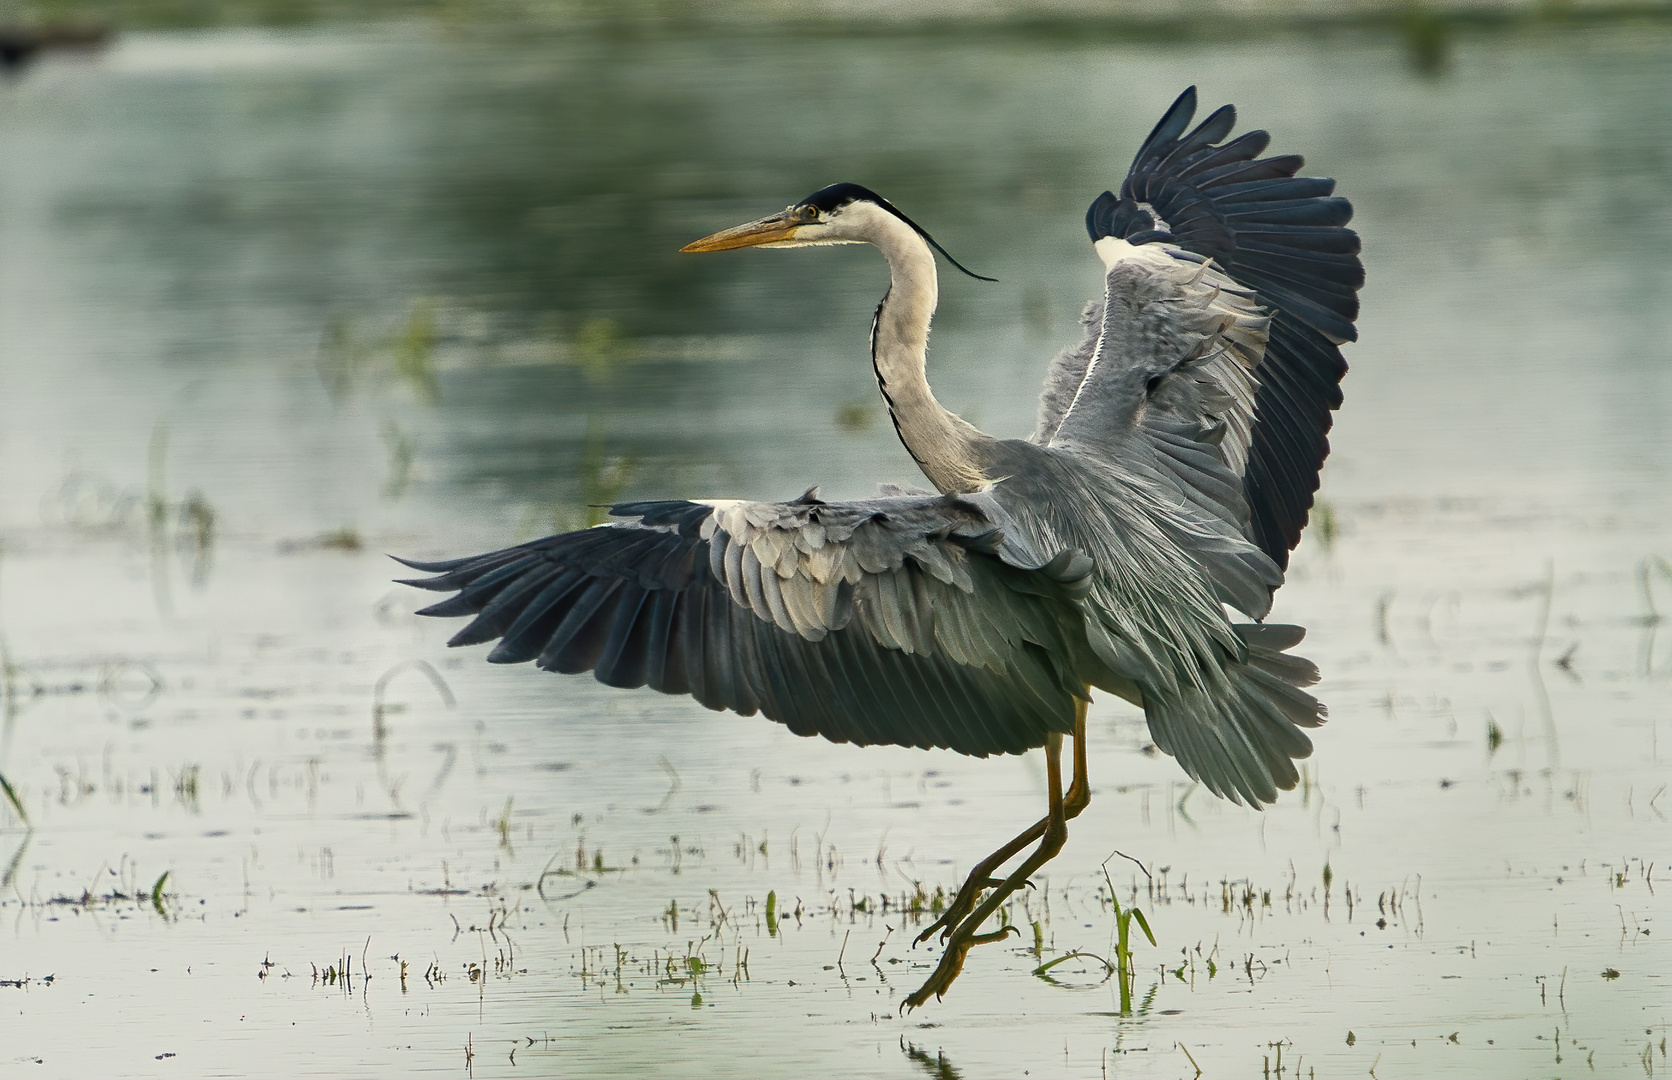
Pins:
x,y
579,638
439,566
502,610
1248,145
1254,192
458,572
1209,131
664,667
694,622
621,661
483,583
528,633
1171,125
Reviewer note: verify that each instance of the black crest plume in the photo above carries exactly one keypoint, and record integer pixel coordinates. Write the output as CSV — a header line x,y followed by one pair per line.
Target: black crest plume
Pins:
x,y
839,195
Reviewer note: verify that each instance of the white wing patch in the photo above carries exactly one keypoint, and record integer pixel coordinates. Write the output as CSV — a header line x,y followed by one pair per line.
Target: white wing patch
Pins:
x,y
1112,249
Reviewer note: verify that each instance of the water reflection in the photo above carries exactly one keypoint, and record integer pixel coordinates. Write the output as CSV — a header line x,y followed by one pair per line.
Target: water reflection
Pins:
x,y
936,1066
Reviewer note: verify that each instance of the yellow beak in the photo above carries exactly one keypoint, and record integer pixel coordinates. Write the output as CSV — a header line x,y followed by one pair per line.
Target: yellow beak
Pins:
x,y
768,230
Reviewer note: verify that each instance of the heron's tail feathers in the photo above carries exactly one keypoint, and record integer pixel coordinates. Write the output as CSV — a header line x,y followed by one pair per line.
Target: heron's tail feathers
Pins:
x,y
1242,737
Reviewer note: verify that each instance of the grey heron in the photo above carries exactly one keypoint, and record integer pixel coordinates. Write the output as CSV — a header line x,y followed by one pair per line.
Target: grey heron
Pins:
x,y
1172,470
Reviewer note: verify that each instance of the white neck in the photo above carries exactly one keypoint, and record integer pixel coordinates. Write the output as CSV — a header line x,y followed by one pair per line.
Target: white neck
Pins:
x,y
942,443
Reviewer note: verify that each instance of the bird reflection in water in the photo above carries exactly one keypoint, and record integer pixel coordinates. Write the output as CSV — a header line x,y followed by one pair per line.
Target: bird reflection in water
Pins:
x,y
936,1066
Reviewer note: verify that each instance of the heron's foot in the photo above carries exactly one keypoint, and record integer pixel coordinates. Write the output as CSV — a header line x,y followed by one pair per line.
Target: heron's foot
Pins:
x,y
981,878
961,940
961,905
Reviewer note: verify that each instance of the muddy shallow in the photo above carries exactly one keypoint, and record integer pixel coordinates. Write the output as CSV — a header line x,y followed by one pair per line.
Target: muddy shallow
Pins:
x,y
275,304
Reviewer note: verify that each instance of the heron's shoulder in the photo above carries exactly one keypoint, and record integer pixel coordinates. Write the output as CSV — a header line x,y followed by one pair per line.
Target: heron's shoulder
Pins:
x,y
1034,474
1011,462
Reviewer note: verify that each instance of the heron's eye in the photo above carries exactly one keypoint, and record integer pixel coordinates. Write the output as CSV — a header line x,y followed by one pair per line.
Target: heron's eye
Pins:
x,y
809,213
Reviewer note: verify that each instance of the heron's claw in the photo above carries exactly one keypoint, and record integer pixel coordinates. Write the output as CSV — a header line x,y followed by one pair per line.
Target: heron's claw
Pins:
x,y
963,939
936,986
961,905
997,935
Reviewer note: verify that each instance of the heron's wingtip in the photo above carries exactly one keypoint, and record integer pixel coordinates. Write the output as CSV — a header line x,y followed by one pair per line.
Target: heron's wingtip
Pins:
x,y
437,567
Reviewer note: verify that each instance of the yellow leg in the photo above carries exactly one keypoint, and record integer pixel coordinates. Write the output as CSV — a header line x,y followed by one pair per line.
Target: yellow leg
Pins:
x,y
1077,799
963,937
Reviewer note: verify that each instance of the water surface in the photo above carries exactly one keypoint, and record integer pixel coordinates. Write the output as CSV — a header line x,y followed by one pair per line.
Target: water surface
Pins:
x,y
273,304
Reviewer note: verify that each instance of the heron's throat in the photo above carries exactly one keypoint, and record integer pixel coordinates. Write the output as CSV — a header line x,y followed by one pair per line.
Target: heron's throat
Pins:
x,y
944,445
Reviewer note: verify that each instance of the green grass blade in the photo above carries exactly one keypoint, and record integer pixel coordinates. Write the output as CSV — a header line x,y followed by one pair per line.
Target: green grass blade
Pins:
x,y
1075,955
16,803
1049,964
1143,922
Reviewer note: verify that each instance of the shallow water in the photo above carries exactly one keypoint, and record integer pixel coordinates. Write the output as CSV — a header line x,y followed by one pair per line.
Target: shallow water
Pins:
x,y
416,292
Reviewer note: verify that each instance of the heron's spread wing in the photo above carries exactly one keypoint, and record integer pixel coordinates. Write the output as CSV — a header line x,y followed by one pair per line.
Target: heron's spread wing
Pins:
x,y
914,621
1202,393
1282,241
1167,399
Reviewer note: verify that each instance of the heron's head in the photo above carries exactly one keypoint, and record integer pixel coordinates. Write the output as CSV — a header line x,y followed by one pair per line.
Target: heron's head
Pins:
x,y
838,214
